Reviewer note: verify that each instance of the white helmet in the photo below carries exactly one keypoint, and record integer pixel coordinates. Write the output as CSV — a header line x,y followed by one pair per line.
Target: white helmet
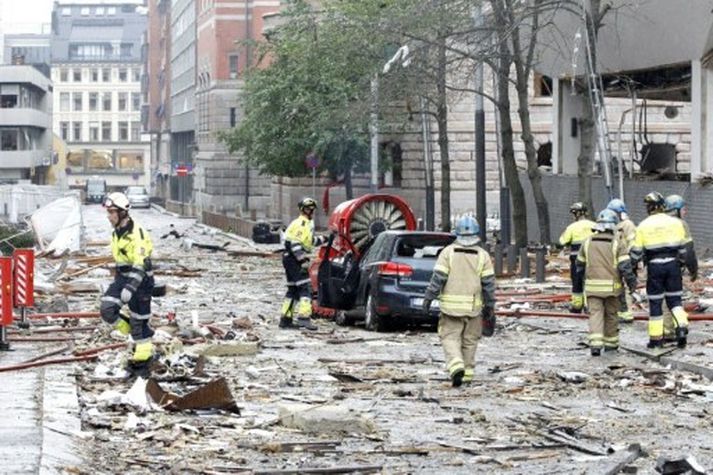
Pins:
x,y
117,200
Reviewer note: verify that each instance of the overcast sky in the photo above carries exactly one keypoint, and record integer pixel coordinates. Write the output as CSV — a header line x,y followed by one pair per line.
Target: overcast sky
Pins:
x,y
25,16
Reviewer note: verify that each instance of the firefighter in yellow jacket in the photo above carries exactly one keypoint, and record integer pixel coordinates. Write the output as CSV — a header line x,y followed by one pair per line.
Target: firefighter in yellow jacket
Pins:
x,y
627,234
604,262
661,243
133,283
464,281
573,237
675,206
299,242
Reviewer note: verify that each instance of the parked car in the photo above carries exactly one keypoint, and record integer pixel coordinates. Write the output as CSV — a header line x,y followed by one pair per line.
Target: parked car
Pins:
x,y
138,197
392,279
95,190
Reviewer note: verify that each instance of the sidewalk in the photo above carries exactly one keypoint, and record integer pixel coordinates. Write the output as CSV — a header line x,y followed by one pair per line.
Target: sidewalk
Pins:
x,y
39,421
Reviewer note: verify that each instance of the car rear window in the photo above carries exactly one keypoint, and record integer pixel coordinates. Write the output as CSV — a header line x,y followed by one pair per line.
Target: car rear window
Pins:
x,y
136,191
422,247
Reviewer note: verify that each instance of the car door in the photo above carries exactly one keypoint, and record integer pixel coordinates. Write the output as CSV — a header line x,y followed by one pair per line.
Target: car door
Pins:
x,y
378,252
337,278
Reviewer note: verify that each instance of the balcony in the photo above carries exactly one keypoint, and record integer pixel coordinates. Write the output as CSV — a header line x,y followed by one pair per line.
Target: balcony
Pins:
x,y
24,158
23,117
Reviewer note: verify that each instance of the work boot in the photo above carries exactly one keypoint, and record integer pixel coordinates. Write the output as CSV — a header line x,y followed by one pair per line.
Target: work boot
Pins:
x,y
575,309
139,369
611,348
681,337
306,323
595,351
457,378
669,338
657,343
286,322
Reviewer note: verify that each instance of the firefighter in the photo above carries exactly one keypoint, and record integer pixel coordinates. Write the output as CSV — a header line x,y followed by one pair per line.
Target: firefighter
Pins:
x,y
627,233
604,262
573,237
133,283
464,281
661,244
675,206
299,241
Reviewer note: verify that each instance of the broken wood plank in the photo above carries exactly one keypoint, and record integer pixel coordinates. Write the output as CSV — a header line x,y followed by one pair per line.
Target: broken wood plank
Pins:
x,y
83,271
634,453
325,470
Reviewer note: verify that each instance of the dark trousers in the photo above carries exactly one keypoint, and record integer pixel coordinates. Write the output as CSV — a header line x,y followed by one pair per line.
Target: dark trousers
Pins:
x,y
664,282
298,298
139,306
577,277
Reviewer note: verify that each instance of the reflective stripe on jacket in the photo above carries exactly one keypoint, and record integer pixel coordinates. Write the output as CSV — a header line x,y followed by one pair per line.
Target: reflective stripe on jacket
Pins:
x,y
300,238
601,254
659,235
131,247
575,234
465,267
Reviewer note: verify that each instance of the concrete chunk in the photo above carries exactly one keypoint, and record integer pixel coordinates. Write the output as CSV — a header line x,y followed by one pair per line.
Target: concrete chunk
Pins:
x,y
324,419
233,348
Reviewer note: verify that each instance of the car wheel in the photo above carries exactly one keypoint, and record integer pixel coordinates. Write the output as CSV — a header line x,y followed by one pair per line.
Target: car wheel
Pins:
x,y
342,319
372,320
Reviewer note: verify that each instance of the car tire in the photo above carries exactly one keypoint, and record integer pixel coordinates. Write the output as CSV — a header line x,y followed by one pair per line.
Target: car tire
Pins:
x,y
372,320
341,319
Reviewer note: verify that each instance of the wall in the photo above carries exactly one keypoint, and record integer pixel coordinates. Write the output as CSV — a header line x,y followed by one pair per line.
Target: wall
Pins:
x,y
698,198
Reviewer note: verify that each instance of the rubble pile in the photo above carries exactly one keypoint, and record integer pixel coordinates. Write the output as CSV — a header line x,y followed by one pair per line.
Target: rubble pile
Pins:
x,y
232,393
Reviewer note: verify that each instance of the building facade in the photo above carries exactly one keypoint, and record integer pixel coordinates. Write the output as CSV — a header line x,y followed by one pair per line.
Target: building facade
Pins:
x,y
32,49
183,90
222,180
96,71
156,89
25,124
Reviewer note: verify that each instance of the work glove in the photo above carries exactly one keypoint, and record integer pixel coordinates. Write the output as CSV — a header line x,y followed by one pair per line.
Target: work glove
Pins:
x,y
637,297
426,306
488,321
305,265
694,276
126,295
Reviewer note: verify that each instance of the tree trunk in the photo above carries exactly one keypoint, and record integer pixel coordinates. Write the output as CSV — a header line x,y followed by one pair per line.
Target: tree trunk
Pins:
x,y
348,188
512,179
533,171
584,160
442,121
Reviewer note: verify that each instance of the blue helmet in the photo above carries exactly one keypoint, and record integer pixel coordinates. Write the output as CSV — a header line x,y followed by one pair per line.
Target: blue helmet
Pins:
x,y
674,203
617,205
607,219
467,226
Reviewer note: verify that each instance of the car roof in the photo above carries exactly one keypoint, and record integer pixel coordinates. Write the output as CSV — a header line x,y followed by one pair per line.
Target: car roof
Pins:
x,y
417,233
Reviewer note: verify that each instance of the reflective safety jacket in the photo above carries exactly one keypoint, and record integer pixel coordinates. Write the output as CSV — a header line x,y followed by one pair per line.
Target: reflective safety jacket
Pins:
x,y
605,260
691,260
627,232
465,280
131,247
575,234
300,238
660,238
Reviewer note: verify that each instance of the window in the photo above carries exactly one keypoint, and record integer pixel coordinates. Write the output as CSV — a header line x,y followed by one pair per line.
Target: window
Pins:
x,y
77,131
77,101
122,101
93,131
85,11
233,65
75,159
64,130
8,101
136,101
137,75
77,75
135,131
123,131
63,75
106,74
129,160
64,101
106,131
233,116
123,75
67,11
111,10
8,139
100,11
94,75
106,101
93,101
100,160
